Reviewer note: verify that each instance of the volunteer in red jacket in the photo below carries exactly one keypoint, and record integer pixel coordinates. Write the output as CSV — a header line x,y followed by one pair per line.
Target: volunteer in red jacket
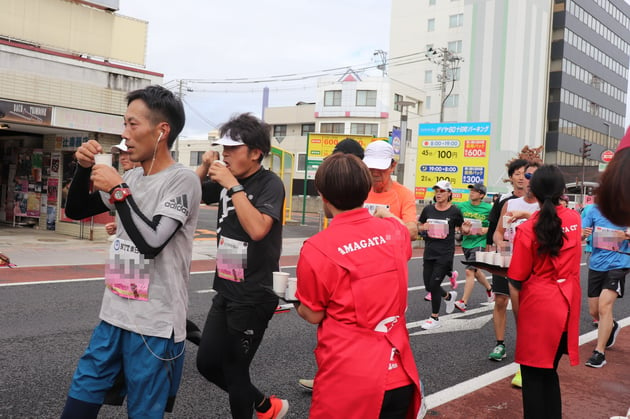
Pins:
x,y
352,281
546,263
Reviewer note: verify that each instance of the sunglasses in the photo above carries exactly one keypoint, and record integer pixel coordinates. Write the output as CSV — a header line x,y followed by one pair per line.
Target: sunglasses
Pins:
x,y
528,176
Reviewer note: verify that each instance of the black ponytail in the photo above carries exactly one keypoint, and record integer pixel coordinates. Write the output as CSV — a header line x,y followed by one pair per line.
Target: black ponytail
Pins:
x,y
547,185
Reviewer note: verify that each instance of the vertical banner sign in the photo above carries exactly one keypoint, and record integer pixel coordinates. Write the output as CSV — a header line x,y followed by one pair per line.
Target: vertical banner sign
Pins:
x,y
456,152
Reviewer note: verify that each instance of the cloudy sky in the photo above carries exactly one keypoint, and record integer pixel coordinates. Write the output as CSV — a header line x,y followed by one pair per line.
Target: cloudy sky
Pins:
x,y
218,40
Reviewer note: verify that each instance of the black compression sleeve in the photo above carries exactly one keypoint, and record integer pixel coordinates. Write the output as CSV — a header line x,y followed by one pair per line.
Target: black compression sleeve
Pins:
x,y
81,203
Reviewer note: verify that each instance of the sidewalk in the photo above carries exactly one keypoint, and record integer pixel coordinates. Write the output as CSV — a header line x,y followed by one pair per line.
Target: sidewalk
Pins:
x,y
587,392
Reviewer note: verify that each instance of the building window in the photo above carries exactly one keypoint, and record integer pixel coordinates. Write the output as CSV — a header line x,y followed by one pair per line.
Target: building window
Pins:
x,y
279,130
366,97
364,129
431,2
427,102
332,127
397,98
429,47
455,46
332,98
428,76
306,128
430,25
452,101
196,158
455,21
455,73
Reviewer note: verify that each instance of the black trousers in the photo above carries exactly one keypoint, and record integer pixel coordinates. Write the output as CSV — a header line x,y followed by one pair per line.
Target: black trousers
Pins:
x,y
396,402
230,339
541,388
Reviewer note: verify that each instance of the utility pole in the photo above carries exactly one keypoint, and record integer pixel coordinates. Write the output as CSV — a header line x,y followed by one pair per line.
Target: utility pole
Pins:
x,y
448,62
383,57
177,139
586,153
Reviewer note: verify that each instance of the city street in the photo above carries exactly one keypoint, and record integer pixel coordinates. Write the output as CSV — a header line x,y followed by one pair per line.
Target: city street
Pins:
x,y
45,328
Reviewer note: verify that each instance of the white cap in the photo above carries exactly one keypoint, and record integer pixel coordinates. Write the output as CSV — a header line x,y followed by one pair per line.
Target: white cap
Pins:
x,y
122,146
379,155
443,184
228,140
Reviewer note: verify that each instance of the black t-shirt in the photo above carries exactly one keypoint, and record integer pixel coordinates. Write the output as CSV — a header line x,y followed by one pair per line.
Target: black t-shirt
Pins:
x,y
248,265
441,248
493,218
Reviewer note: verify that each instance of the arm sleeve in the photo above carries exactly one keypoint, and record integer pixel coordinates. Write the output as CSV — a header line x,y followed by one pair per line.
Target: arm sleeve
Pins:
x,y
149,236
81,203
493,219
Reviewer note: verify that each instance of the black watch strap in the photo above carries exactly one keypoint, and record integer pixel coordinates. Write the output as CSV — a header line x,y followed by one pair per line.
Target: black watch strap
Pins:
x,y
235,189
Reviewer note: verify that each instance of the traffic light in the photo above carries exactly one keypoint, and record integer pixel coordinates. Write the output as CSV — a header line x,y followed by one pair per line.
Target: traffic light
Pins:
x,y
586,150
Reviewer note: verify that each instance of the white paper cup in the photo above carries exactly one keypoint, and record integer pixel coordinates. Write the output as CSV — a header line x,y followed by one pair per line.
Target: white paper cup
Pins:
x,y
497,259
103,158
506,221
480,256
291,289
280,282
506,261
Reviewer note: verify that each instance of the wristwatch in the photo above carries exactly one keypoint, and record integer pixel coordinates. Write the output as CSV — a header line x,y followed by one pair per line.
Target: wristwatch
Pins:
x,y
118,194
235,189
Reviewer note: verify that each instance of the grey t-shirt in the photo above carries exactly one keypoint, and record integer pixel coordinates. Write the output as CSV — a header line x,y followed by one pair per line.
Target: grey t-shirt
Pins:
x,y
176,193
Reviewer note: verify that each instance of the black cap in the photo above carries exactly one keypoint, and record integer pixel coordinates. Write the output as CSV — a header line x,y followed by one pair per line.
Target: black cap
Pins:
x,y
479,187
349,146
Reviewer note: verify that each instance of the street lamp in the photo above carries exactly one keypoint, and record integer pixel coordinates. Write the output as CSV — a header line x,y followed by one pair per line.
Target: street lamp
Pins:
x,y
403,106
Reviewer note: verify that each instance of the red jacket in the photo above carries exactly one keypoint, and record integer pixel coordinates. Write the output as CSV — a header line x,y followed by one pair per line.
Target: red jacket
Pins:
x,y
356,271
550,296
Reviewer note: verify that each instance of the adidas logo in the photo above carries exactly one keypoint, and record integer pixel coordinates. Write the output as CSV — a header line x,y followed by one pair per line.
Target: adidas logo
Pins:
x,y
180,204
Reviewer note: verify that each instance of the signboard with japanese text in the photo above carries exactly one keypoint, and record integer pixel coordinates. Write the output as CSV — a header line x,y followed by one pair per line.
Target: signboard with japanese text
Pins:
x,y
320,146
456,152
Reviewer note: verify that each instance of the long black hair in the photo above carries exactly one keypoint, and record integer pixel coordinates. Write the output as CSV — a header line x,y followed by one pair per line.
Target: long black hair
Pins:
x,y
547,185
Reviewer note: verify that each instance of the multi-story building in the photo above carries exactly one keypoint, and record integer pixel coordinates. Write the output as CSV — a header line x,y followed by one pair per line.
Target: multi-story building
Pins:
x,y
65,69
543,72
350,104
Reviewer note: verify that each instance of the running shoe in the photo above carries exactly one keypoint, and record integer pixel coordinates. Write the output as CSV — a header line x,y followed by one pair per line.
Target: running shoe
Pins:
x,y
613,334
597,360
498,353
453,279
461,306
427,297
450,303
306,384
517,381
595,322
430,324
490,296
278,409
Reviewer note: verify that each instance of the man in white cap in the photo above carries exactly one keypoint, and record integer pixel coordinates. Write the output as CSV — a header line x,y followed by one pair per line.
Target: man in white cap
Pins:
x,y
249,241
123,156
385,192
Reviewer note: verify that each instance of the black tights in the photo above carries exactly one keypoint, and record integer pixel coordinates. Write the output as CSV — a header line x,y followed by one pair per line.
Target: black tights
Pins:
x,y
433,273
225,353
396,402
541,388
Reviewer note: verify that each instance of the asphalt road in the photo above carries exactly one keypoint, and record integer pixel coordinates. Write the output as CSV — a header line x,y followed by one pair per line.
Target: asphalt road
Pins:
x,y
44,329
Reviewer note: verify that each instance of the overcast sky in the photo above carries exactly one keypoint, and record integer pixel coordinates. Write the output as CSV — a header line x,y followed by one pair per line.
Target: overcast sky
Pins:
x,y
254,39
217,40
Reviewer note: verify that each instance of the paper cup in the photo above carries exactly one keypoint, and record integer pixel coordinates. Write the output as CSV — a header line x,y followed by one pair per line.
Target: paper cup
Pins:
x,y
506,261
103,158
497,259
291,289
280,282
506,221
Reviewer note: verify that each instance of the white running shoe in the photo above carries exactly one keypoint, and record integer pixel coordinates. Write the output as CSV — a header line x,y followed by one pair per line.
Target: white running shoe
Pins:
x,y
450,304
430,324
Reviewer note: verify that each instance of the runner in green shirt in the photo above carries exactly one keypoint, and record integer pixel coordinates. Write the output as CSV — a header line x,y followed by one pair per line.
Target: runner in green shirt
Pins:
x,y
474,230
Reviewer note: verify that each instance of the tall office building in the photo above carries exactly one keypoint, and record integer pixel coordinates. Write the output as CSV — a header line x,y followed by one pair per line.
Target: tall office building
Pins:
x,y
543,72
588,83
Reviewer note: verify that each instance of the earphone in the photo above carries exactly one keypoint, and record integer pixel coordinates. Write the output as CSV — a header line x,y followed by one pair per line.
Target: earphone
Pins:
x,y
160,137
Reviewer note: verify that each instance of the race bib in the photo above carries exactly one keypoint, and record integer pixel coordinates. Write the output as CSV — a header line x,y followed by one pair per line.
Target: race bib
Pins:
x,y
231,259
127,273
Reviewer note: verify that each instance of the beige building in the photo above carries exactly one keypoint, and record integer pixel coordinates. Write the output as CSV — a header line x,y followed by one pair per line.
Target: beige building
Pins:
x,y
61,84
350,104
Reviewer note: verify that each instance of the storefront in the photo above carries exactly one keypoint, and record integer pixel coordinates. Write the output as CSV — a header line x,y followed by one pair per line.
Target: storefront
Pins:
x,y
37,164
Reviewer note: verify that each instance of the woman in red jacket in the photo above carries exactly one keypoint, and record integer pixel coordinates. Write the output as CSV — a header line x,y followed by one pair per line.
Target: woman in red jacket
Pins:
x,y
546,265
